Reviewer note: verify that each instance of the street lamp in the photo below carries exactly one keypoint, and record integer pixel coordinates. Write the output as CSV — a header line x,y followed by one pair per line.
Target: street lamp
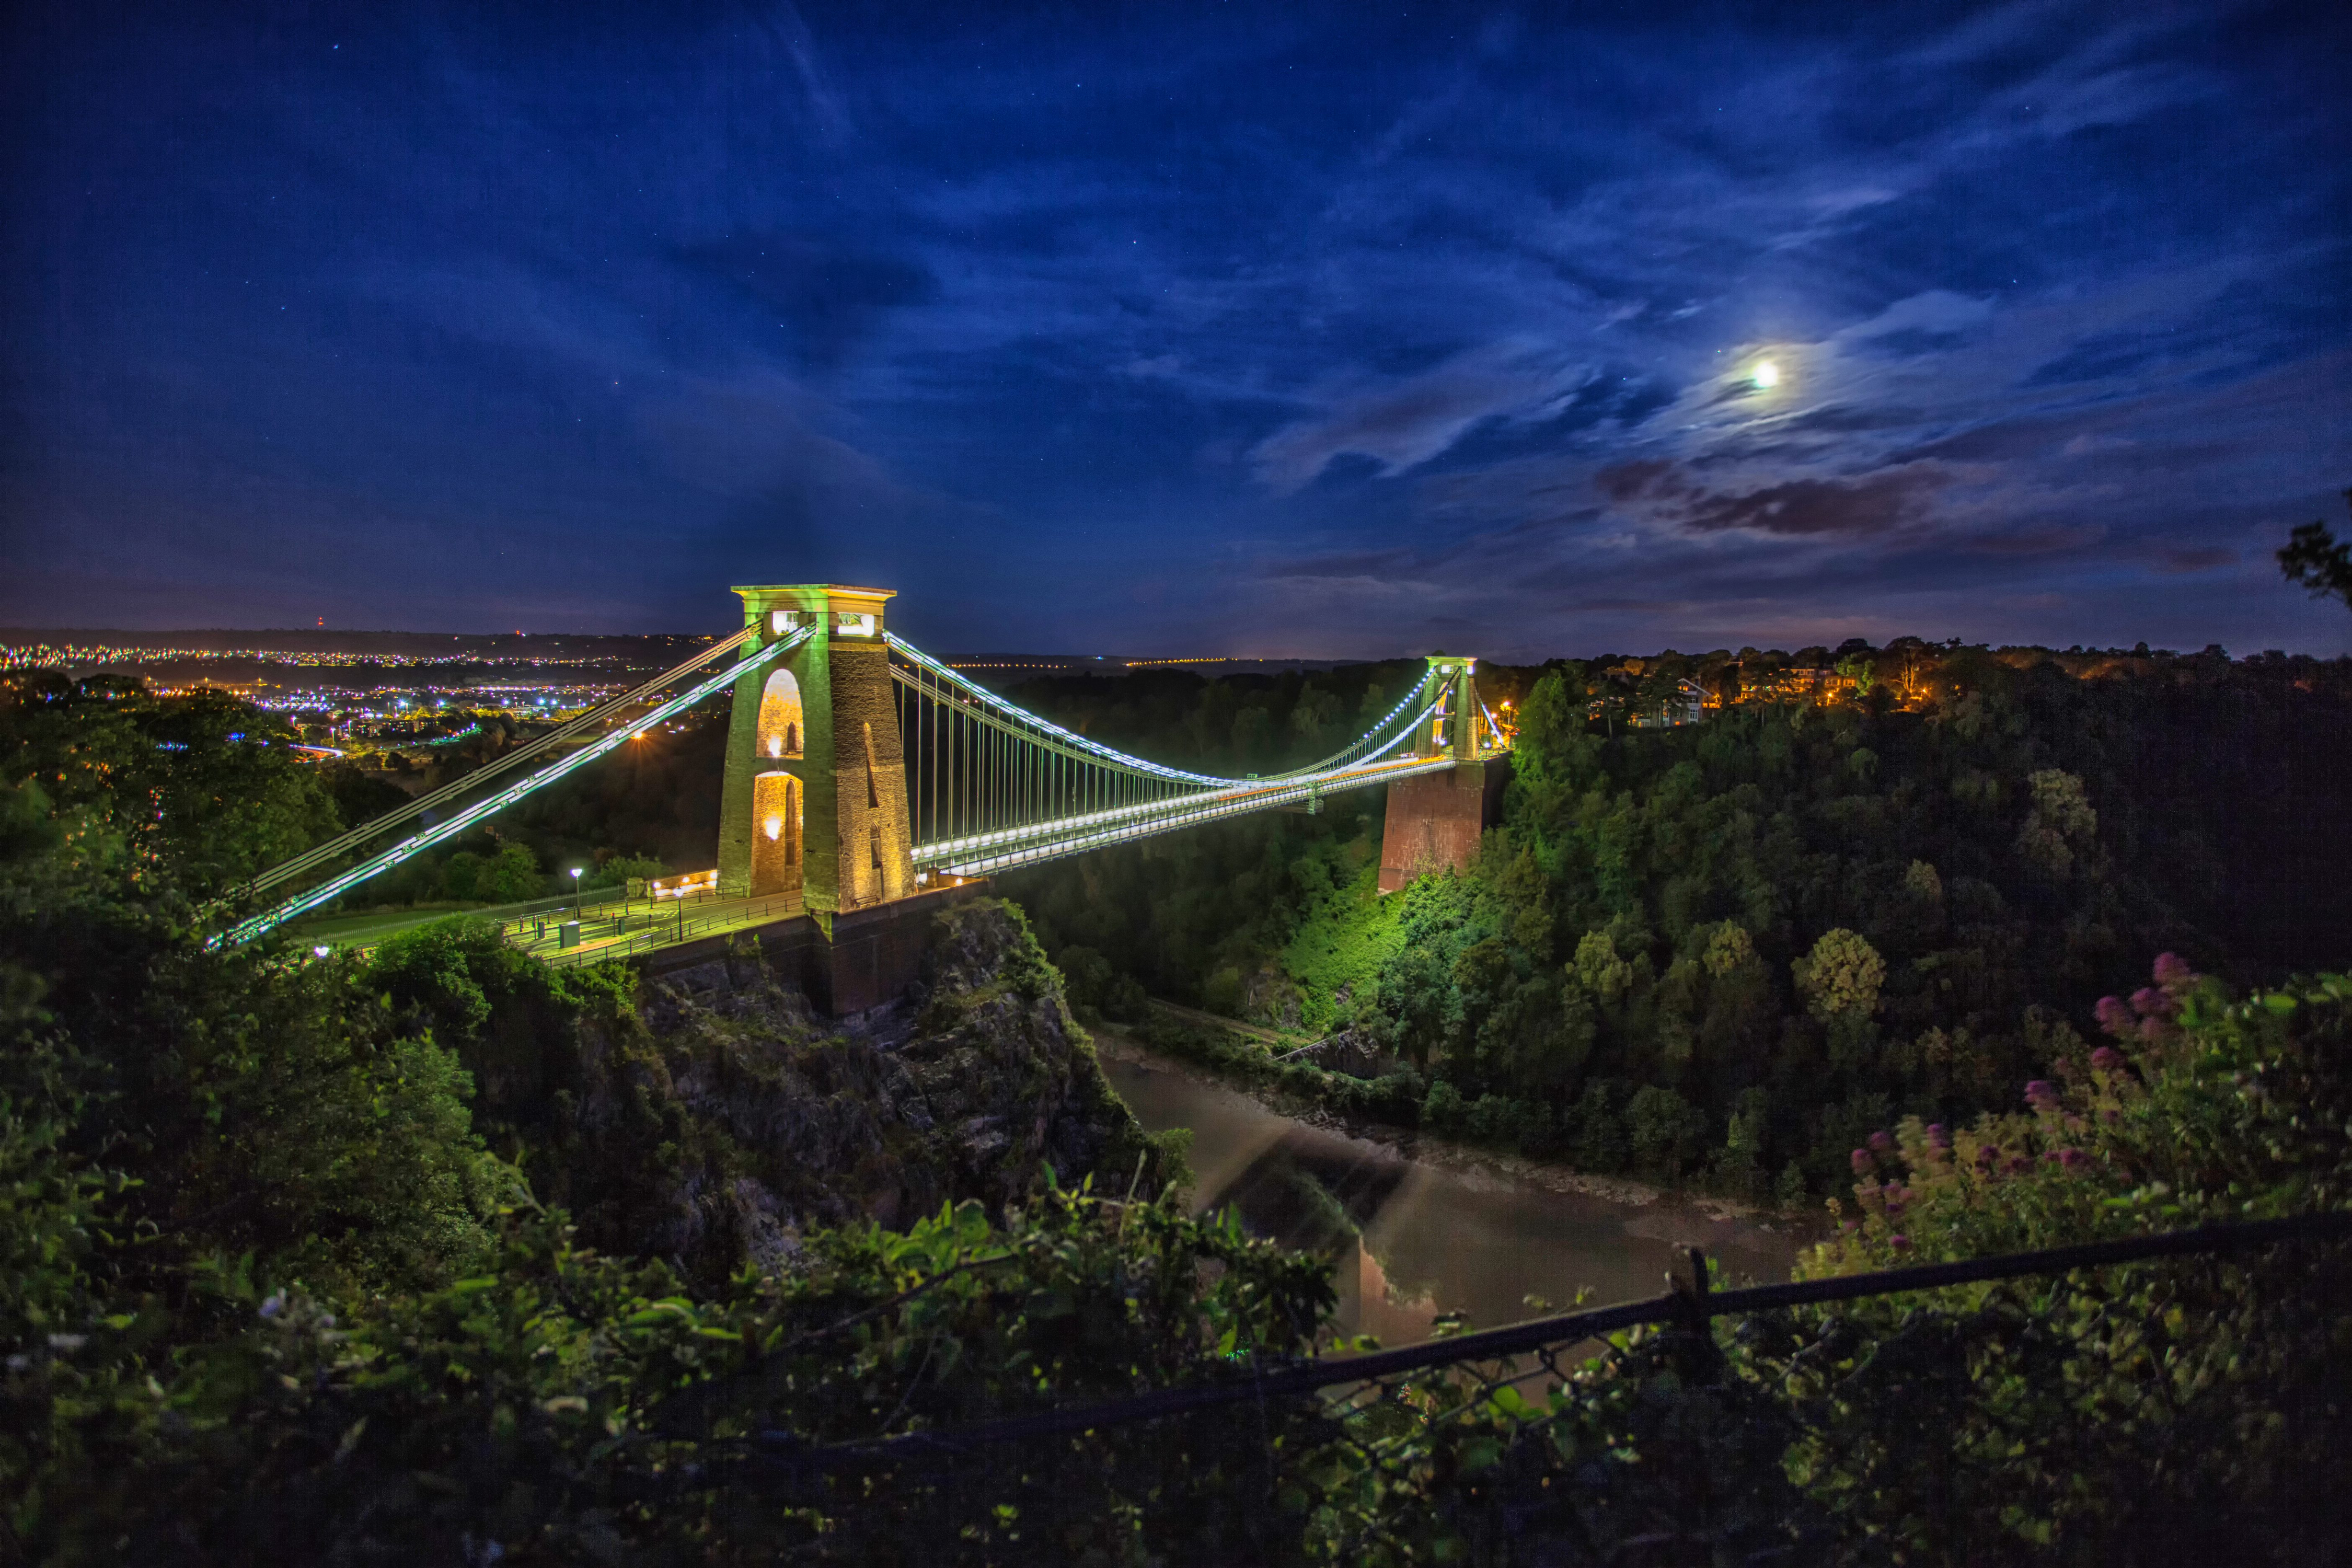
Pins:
x,y
576,892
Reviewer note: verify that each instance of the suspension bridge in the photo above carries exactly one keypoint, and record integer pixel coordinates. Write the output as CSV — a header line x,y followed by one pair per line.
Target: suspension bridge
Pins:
x,y
862,775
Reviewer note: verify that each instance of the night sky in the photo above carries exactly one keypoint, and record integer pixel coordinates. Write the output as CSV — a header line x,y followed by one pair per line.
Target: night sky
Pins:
x,y
1248,328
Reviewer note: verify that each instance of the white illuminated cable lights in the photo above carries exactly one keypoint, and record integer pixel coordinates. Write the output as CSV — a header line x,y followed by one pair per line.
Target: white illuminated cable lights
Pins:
x,y
991,700
1257,792
262,924
319,855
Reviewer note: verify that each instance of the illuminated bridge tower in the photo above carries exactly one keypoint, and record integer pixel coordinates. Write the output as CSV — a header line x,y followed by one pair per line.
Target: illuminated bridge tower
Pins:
x,y
1434,819
814,800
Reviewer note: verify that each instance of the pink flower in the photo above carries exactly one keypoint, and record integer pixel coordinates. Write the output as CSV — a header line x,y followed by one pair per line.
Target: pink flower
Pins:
x,y
1880,1144
2151,1029
2113,1016
1899,1242
2170,969
2106,1058
1938,1137
1985,1157
1862,1163
2041,1092
2148,1001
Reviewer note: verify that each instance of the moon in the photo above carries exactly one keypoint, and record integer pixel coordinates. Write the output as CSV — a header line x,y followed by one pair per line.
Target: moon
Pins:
x,y
1766,374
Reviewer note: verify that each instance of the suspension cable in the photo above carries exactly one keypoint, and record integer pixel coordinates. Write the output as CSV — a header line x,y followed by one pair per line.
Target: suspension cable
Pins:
x,y
319,853
249,929
988,699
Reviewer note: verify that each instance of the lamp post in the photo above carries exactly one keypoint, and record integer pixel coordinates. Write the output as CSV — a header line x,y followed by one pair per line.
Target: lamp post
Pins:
x,y
576,892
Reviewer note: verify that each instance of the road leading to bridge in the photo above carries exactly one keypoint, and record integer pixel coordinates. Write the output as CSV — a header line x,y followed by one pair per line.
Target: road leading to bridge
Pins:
x,y
612,928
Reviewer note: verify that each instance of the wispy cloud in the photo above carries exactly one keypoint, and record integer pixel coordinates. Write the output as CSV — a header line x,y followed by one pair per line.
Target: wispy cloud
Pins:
x,y
1404,423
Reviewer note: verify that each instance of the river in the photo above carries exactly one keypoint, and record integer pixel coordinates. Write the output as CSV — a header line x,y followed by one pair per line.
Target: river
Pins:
x,y
1418,1231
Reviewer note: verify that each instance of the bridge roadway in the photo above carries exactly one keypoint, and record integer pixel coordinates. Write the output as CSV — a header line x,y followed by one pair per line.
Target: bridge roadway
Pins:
x,y
609,928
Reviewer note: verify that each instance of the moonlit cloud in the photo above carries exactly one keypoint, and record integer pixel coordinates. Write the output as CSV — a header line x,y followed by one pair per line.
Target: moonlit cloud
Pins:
x,y
1404,423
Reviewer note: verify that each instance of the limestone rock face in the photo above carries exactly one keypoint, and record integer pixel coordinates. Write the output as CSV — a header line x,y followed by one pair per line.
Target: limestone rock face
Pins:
x,y
722,1118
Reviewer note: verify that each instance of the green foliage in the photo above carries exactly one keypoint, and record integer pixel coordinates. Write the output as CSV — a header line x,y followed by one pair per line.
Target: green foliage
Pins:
x,y
2180,1410
572,1406
2313,558
257,1297
1798,915
1841,977
202,789
2061,824
265,1295
510,875
2140,1414
618,871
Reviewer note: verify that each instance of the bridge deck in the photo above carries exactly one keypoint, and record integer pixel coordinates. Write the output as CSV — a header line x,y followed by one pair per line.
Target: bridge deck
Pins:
x,y
610,928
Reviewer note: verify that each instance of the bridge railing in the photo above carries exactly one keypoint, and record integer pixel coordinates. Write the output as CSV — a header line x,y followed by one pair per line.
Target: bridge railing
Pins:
x,y
662,929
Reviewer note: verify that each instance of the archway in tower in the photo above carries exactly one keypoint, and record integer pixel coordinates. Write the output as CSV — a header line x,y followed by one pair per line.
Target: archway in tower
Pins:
x,y
783,726
775,833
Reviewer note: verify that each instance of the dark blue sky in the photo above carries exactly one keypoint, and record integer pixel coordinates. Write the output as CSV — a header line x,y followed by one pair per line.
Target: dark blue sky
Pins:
x,y
1222,328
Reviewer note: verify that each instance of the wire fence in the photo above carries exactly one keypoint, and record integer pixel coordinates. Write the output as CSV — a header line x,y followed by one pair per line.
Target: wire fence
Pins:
x,y
1328,1458
1527,1352
1645,1447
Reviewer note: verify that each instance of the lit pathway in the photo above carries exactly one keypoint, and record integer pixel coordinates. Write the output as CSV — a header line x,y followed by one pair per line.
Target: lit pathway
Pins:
x,y
609,928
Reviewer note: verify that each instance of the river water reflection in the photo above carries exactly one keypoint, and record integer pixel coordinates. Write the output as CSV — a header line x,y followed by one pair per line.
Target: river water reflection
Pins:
x,y
1412,1238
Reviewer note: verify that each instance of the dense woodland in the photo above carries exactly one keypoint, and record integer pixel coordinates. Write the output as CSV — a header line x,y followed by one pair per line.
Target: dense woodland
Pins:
x,y
1721,952
347,1260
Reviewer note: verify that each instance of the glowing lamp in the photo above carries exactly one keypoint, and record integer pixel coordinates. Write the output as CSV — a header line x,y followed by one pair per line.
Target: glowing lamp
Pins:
x,y
320,951
776,826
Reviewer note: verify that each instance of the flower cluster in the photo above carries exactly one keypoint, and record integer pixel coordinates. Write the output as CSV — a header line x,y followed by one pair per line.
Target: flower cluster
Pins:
x,y
2152,1014
2062,1136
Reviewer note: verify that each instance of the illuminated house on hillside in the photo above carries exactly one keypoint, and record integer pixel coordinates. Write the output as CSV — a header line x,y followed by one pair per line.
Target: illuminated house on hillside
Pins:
x,y
1806,683
1687,706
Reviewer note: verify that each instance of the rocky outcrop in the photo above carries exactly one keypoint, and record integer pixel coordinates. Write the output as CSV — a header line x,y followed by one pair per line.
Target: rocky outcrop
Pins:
x,y
1350,1051
721,1120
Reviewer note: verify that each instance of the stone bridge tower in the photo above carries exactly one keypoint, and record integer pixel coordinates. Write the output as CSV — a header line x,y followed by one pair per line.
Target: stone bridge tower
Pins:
x,y
1434,819
814,801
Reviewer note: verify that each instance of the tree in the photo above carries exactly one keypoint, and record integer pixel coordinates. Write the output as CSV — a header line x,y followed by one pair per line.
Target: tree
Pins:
x,y
203,788
615,871
2316,560
1841,976
2061,822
